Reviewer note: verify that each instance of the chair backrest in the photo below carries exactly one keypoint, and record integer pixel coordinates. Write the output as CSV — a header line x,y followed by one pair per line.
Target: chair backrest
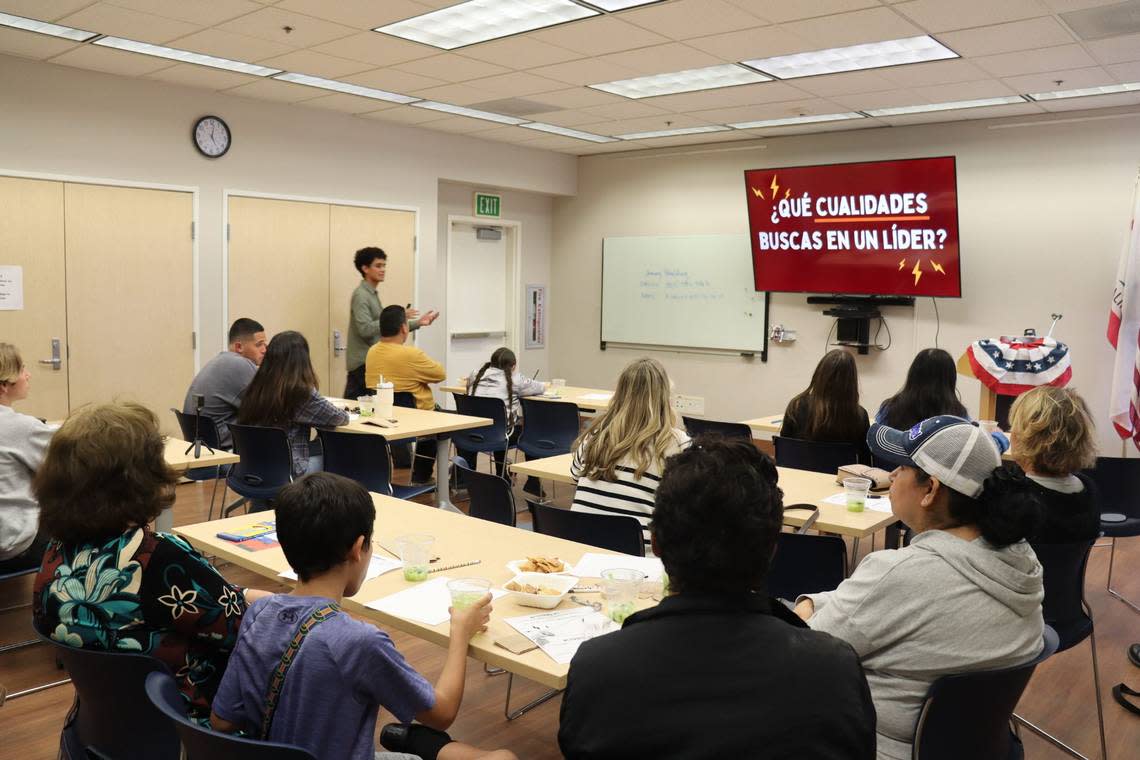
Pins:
x,y
806,564
1063,567
1117,483
203,744
491,438
549,427
491,497
406,399
618,533
967,715
813,455
695,426
206,427
113,716
365,458
266,461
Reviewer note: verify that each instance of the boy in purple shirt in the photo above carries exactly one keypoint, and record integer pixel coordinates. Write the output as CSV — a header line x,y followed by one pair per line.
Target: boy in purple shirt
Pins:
x,y
340,671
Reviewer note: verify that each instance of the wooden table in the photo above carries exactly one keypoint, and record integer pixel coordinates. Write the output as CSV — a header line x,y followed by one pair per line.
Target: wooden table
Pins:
x,y
178,458
766,427
799,486
457,538
571,394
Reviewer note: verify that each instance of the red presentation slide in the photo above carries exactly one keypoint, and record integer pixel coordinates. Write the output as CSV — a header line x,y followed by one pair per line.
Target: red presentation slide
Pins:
x,y
874,228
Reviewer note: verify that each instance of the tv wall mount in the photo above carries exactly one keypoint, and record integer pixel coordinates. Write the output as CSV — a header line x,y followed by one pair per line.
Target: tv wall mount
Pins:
x,y
854,315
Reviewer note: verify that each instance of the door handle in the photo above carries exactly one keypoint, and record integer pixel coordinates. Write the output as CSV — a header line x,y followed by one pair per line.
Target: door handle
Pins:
x,y
56,360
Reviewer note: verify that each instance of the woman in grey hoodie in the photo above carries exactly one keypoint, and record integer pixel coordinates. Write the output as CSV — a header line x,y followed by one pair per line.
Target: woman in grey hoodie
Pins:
x,y
964,596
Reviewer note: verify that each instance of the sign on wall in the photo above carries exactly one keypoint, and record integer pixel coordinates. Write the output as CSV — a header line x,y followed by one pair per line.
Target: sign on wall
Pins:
x,y
535,316
11,288
488,204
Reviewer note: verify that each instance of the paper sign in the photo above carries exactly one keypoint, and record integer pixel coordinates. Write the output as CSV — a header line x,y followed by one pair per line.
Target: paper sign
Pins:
x,y
376,567
591,565
561,632
11,288
873,503
426,602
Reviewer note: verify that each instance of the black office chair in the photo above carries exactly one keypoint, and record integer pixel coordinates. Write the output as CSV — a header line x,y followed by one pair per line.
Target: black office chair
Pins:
x,y
813,455
619,533
485,440
207,429
967,715
806,564
695,426
367,459
201,743
1066,611
112,719
491,496
266,464
1118,486
549,428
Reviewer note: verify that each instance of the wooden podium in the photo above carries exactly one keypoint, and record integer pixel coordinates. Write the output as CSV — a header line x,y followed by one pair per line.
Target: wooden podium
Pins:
x,y
988,400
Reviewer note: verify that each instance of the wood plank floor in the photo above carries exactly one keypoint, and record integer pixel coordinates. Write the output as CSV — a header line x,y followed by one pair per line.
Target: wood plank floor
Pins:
x,y
1060,697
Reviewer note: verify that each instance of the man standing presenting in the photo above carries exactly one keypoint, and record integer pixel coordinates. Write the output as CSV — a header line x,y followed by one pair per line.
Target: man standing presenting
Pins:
x,y
224,378
364,317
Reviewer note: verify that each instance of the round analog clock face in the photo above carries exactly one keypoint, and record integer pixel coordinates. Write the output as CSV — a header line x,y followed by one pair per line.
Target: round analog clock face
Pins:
x,y
211,136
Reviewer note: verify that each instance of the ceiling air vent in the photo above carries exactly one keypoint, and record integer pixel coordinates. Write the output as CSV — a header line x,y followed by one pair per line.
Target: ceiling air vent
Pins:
x,y
1105,21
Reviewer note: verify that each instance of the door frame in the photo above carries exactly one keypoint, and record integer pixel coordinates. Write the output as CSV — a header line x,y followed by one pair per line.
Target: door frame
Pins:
x,y
227,193
194,191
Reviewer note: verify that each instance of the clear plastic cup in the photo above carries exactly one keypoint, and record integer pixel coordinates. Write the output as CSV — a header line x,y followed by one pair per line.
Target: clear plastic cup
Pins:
x,y
619,592
856,490
415,553
990,426
367,405
558,382
465,592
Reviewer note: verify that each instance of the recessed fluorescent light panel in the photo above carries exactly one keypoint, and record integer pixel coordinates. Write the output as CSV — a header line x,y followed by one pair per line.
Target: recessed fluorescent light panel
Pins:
x,y
794,120
186,56
690,80
351,89
471,112
873,55
482,20
1108,89
953,106
556,130
42,27
672,132
618,5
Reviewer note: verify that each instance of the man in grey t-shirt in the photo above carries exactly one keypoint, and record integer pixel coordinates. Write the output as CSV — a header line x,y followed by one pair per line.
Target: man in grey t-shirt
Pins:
x,y
223,380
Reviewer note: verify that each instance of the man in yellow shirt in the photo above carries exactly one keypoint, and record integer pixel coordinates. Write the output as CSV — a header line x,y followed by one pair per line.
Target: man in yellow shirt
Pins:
x,y
408,369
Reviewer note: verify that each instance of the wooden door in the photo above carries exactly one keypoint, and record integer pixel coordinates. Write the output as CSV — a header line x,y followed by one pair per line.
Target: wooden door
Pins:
x,y
130,296
279,273
353,228
31,236
477,316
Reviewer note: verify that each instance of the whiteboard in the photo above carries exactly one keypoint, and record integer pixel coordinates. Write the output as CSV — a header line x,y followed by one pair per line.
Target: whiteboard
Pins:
x,y
688,291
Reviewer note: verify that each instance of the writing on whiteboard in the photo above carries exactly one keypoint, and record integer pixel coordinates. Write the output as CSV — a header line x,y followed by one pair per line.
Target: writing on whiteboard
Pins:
x,y
676,285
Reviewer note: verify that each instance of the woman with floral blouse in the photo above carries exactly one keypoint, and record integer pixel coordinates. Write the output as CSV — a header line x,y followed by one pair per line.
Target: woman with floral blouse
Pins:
x,y
108,582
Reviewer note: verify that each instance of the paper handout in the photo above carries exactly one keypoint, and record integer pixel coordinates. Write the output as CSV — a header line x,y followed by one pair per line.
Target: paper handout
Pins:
x,y
377,566
426,602
561,632
592,564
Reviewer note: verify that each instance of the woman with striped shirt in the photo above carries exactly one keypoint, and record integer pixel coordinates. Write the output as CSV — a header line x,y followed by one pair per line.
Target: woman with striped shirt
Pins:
x,y
618,460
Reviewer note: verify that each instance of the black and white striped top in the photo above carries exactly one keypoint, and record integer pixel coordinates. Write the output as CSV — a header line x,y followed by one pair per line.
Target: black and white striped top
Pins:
x,y
628,495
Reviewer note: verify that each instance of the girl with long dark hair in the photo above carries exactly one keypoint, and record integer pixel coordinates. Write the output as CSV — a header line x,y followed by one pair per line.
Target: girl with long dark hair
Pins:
x,y
931,389
828,409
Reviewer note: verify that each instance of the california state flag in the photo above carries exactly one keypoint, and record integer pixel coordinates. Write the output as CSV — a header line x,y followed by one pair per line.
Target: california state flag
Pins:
x,y
1124,333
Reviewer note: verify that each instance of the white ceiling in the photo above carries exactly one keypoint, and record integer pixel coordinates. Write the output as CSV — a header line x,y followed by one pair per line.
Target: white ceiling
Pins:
x,y
1007,47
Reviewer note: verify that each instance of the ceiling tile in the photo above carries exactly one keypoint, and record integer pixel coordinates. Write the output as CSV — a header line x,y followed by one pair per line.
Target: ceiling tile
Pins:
x,y
517,83
202,12
343,102
889,99
236,47
747,44
1045,31
1125,72
1064,6
934,72
782,10
857,27
456,94
558,143
393,81
576,97
359,14
645,124
377,49
1116,50
273,89
659,59
629,110
519,52
563,118
598,35
32,45
451,67
1033,61
846,83
405,115
684,19
805,107
111,61
1091,102
462,124
727,97
269,24
950,93
942,16
201,77
1071,79
315,64
123,22
585,71
44,10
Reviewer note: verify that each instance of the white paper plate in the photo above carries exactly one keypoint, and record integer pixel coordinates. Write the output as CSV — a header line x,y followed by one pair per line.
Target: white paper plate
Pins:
x,y
563,583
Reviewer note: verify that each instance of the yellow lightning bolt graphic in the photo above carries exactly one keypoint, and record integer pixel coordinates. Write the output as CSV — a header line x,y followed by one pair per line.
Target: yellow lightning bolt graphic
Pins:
x,y
758,193
902,263
917,271
775,186
788,193
937,267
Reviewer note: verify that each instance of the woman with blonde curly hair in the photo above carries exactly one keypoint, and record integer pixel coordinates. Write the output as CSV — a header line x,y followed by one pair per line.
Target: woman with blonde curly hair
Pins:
x,y
1053,434
619,458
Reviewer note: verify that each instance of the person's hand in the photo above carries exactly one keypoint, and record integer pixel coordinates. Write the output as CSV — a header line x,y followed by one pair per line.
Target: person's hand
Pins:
x,y
805,609
428,318
411,313
467,622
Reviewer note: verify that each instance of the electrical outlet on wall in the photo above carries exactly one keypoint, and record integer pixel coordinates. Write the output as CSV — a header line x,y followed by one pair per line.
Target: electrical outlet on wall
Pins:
x,y
689,405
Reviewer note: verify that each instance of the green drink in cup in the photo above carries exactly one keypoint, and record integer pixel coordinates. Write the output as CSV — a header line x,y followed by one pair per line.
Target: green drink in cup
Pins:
x,y
415,553
465,592
619,591
856,490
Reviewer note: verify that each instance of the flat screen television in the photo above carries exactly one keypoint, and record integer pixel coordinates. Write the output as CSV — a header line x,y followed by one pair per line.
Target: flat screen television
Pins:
x,y
871,228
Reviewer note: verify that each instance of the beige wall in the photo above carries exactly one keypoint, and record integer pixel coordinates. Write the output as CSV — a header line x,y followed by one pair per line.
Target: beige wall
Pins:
x,y
1043,215
535,213
60,120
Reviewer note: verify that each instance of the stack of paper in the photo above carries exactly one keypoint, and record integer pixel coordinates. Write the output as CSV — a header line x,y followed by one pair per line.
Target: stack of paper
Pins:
x,y
873,503
377,566
425,602
591,565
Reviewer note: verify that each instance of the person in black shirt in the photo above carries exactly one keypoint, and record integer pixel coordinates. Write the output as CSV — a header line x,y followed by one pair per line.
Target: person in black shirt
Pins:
x,y
930,390
828,410
718,669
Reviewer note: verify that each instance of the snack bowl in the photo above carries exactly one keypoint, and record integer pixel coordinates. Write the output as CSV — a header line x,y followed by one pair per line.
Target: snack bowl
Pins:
x,y
560,583
515,566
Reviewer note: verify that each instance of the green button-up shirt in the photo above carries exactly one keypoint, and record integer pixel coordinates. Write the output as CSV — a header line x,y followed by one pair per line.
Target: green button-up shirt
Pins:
x,y
364,324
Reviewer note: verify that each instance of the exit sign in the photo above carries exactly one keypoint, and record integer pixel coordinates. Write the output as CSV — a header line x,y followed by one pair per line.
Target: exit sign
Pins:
x,y
487,204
